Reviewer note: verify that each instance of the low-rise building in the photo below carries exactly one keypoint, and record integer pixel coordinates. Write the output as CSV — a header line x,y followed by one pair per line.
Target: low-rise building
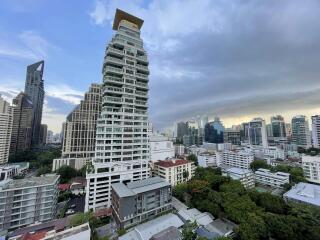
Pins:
x,y
140,200
209,159
268,178
174,171
304,193
161,148
29,200
245,176
11,170
237,158
311,168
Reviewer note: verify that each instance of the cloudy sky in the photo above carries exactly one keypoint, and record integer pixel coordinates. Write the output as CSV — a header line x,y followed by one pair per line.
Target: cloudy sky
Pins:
x,y
234,59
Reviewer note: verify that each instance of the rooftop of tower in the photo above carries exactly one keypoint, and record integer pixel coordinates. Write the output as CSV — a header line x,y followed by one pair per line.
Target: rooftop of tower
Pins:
x,y
122,15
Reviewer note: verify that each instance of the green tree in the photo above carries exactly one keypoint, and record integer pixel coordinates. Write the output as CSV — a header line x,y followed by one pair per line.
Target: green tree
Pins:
x,y
188,231
258,163
185,175
66,173
193,158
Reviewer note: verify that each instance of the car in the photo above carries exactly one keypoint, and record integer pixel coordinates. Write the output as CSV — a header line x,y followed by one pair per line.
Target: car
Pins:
x,y
72,206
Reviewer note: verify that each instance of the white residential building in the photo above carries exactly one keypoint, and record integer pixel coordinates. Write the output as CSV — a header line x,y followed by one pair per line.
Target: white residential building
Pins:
x,y
179,149
173,170
311,168
209,159
304,193
122,141
237,158
316,130
245,176
29,200
6,120
161,148
268,178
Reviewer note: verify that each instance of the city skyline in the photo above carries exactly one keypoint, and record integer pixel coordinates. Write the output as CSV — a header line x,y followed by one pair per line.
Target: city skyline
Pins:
x,y
241,77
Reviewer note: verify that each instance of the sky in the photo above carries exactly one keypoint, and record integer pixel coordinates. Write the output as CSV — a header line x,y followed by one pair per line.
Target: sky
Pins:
x,y
235,59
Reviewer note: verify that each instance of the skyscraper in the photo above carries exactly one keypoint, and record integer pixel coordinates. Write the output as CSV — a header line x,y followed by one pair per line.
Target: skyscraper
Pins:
x,y
122,145
79,133
316,130
214,131
35,90
43,134
300,131
6,116
22,124
257,132
278,127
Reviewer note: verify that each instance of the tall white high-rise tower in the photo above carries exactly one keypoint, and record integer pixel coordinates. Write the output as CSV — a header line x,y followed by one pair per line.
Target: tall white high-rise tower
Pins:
x,y
122,144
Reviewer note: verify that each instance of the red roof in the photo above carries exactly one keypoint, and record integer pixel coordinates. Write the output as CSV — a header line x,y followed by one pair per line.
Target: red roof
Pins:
x,y
103,212
171,163
64,187
34,236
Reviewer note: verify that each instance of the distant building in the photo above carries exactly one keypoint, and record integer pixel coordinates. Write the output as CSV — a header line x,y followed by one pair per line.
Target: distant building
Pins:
x,y
11,170
316,130
49,136
179,149
232,136
268,178
209,159
34,89
300,131
161,148
239,159
245,176
311,168
182,129
304,193
173,170
43,134
214,131
21,137
257,132
6,120
76,163
278,127
28,200
140,201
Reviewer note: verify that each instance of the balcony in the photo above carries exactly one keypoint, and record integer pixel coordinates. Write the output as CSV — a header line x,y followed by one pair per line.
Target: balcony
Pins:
x,y
142,58
142,85
114,60
140,93
113,69
113,89
142,67
115,51
143,76
114,79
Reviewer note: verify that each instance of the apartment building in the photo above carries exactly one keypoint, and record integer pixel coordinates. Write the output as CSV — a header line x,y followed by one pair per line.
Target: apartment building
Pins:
x,y
315,131
209,159
29,200
161,148
300,131
311,168
140,201
245,176
174,171
237,158
6,120
122,149
268,178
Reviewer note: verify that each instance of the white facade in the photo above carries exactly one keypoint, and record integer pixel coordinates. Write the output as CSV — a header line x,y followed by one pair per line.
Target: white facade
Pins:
x,y
239,159
268,153
29,200
224,146
75,233
265,177
209,159
6,120
179,149
76,163
172,170
257,132
161,148
316,131
246,177
311,168
122,141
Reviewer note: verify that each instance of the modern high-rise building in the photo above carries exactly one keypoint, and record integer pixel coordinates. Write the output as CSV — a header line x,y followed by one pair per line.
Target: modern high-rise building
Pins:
x,y
213,131
278,127
182,129
6,116
316,131
257,132
122,141
43,134
21,135
79,133
300,131
34,88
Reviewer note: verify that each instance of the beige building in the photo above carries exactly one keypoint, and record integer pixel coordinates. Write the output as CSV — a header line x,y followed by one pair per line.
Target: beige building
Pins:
x,y
6,115
173,170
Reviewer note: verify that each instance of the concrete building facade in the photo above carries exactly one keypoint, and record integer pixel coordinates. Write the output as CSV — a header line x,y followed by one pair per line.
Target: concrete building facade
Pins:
x,y
6,121
311,168
268,178
315,131
235,158
161,148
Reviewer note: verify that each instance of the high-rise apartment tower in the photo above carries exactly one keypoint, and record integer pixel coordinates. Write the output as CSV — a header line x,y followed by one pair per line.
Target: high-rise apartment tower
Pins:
x,y
6,116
